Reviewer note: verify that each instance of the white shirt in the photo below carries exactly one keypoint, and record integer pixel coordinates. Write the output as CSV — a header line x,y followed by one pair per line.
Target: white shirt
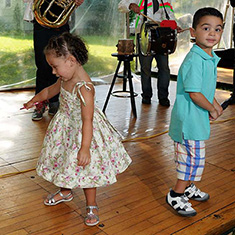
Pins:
x,y
160,15
28,13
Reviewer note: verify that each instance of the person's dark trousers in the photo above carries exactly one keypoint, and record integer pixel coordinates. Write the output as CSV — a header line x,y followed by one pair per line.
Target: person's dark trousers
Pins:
x,y
145,69
163,75
41,36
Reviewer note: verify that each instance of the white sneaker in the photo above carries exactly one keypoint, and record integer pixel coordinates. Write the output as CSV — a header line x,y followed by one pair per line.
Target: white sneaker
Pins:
x,y
192,192
181,205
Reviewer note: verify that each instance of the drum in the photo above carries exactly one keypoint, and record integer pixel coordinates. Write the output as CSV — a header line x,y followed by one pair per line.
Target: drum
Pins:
x,y
125,46
157,40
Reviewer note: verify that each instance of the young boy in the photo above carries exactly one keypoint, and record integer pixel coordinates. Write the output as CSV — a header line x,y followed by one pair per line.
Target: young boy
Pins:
x,y
194,107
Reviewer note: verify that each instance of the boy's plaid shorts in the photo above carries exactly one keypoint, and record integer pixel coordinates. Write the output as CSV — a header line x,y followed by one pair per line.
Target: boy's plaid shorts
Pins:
x,y
190,159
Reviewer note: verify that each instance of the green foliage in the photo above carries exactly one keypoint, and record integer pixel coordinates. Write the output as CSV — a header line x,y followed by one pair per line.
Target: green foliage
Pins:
x,y
17,58
3,26
17,17
132,16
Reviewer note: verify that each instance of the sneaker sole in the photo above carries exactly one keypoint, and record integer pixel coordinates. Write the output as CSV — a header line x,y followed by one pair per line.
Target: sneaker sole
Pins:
x,y
52,114
37,119
186,214
200,199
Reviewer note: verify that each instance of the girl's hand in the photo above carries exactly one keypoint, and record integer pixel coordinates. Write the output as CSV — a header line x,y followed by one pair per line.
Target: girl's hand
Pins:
x,y
84,157
29,104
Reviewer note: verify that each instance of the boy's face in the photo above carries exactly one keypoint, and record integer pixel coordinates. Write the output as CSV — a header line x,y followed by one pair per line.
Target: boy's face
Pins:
x,y
208,32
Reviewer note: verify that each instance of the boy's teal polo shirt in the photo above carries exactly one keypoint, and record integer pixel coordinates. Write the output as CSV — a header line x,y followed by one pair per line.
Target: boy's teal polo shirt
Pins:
x,y
198,73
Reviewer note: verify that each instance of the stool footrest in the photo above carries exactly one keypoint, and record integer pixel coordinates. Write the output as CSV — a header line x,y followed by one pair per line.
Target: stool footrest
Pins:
x,y
124,76
123,94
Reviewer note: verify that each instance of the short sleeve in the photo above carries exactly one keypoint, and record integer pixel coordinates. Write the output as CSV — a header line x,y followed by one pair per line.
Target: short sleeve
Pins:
x,y
192,75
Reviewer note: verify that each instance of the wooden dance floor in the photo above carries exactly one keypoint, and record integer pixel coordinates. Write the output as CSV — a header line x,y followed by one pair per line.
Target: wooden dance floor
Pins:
x,y
136,203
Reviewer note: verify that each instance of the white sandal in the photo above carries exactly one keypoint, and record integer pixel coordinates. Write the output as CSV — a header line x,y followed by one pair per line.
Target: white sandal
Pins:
x,y
50,201
92,216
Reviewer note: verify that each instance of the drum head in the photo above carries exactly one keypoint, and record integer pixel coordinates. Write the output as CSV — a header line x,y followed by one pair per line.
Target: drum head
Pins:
x,y
144,40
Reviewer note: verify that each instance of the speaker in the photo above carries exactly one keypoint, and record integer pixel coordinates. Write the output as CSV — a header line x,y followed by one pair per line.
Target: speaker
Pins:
x,y
232,2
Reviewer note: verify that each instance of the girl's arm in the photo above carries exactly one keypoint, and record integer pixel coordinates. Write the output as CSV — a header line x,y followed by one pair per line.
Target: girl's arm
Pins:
x,y
45,94
199,99
84,156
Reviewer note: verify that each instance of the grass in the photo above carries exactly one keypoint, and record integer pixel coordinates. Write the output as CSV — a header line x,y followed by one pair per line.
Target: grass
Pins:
x,y
17,58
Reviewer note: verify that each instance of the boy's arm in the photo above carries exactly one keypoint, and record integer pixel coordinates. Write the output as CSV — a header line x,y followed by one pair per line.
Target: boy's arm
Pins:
x,y
199,99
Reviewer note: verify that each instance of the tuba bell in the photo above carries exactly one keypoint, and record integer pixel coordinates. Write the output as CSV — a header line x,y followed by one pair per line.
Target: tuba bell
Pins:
x,y
53,13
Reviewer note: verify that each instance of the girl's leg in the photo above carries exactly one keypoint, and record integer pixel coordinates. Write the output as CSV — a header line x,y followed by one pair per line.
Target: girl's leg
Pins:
x,y
90,194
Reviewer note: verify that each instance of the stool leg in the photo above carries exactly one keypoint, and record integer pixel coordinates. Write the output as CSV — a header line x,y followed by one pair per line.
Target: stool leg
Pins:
x,y
131,90
125,75
111,86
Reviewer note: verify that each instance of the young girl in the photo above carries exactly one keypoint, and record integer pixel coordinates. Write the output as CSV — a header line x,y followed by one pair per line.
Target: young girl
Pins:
x,y
81,148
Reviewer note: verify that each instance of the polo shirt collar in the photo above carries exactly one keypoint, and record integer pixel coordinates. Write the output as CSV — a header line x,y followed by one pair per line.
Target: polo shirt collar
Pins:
x,y
204,55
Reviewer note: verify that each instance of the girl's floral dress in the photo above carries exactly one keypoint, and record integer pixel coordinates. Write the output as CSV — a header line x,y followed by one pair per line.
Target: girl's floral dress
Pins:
x,y
58,160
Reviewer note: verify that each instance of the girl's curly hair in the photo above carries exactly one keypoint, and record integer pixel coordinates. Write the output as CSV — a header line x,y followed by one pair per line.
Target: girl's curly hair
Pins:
x,y
66,44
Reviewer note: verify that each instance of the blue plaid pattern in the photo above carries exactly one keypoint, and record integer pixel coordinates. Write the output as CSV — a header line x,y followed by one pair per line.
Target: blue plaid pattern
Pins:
x,y
190,159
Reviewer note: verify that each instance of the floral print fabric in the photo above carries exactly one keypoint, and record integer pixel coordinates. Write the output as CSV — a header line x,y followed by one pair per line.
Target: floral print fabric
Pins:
x,y
58,159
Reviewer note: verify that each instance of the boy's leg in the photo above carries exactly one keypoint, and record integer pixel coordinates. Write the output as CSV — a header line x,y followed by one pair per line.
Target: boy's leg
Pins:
x,y
190,161
181,185
190,190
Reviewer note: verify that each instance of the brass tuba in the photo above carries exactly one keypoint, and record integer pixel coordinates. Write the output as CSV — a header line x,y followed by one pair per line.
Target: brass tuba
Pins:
x,y
53,13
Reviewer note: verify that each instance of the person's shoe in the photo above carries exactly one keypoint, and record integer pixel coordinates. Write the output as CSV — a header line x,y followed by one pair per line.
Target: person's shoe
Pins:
x,y
164,102
146,100
38,111
91,216
192,192
52,201
53,108
180,204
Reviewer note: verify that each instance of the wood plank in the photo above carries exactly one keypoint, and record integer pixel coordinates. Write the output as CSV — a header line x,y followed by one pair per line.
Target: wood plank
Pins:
x,y
214,224
136,203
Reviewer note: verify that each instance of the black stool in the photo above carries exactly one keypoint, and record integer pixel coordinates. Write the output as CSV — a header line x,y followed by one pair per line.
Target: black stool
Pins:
x,y
126,75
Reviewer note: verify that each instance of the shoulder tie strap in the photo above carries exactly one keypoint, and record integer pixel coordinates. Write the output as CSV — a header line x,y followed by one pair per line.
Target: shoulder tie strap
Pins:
x,y
77,88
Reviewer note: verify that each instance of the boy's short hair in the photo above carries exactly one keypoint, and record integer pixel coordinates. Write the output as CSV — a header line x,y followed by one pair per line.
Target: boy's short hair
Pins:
x,y
206,11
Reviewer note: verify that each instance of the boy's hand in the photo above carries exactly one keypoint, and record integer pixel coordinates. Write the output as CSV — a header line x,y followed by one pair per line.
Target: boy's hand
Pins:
x,y
84,157
213,115
219,109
